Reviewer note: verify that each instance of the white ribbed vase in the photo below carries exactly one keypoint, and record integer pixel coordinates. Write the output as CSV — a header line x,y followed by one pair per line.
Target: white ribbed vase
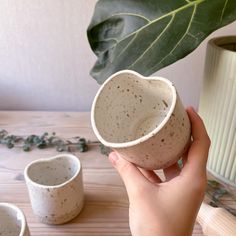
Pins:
x,y
218,107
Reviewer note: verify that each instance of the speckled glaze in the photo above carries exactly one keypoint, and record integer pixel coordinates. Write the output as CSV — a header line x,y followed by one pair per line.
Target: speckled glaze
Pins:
x,y
55,188
12,221
142,118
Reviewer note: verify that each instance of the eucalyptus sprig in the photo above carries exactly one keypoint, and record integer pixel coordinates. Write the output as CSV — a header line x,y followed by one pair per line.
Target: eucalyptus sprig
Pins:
x,y
45,140
216,192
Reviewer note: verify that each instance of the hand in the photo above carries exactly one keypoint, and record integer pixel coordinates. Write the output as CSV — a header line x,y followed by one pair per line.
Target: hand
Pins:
x,y
170,207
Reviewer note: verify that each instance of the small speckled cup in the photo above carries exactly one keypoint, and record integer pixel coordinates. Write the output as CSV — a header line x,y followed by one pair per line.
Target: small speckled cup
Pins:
x,y
55,188
142,118
12,221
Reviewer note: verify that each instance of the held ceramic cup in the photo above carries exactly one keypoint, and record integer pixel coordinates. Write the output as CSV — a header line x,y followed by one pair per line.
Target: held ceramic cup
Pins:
x,y
55,188
142,118
12,221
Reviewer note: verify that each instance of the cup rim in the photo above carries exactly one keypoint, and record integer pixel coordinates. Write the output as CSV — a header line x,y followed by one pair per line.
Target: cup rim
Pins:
x,y
28,179
217,41
18,211
152,132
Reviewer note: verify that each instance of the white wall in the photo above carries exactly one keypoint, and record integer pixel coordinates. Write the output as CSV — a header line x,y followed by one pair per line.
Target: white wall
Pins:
x,y
45,57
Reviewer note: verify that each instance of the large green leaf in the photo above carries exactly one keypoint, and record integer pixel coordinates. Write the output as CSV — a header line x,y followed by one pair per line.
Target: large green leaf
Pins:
x,y
147,35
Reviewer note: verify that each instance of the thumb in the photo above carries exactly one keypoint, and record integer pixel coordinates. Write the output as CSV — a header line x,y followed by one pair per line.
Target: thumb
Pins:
x,y
130,174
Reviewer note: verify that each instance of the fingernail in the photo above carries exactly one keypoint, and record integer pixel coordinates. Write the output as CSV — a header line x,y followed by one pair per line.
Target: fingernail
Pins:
x,y
113,158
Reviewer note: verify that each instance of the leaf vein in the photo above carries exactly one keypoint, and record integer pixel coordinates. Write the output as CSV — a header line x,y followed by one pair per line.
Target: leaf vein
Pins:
x,y
152,22
223,11
127,46
126,14
157,19
186,32
154,42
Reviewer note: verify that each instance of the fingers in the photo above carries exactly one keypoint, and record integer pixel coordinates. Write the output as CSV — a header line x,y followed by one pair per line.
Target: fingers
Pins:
x,y
151,176
198,151
172,171
130,174
185,157
198,128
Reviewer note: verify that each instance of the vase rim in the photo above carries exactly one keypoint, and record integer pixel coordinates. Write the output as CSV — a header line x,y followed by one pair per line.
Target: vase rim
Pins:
x,y
221,41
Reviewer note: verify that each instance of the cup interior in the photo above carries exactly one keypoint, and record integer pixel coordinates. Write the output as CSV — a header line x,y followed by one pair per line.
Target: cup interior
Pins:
x,y
54,171
11,221
226,42
129,107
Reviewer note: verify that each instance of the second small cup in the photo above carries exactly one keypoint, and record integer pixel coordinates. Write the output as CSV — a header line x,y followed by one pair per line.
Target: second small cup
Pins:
x,y
55,188
12,221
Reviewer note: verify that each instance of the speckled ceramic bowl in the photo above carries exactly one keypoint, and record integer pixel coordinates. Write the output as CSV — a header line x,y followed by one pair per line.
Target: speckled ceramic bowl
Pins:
x,y
12,221
55,188
142,118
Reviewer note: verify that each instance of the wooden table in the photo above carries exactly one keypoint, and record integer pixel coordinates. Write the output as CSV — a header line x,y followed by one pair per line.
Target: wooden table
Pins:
x,y
106,207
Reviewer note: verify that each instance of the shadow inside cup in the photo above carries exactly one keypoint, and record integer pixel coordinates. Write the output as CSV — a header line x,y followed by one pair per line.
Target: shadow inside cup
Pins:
x,y
53,172
129,107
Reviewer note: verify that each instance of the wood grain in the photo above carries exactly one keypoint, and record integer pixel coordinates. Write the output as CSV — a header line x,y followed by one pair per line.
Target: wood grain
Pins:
x,y
106,207
216,221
